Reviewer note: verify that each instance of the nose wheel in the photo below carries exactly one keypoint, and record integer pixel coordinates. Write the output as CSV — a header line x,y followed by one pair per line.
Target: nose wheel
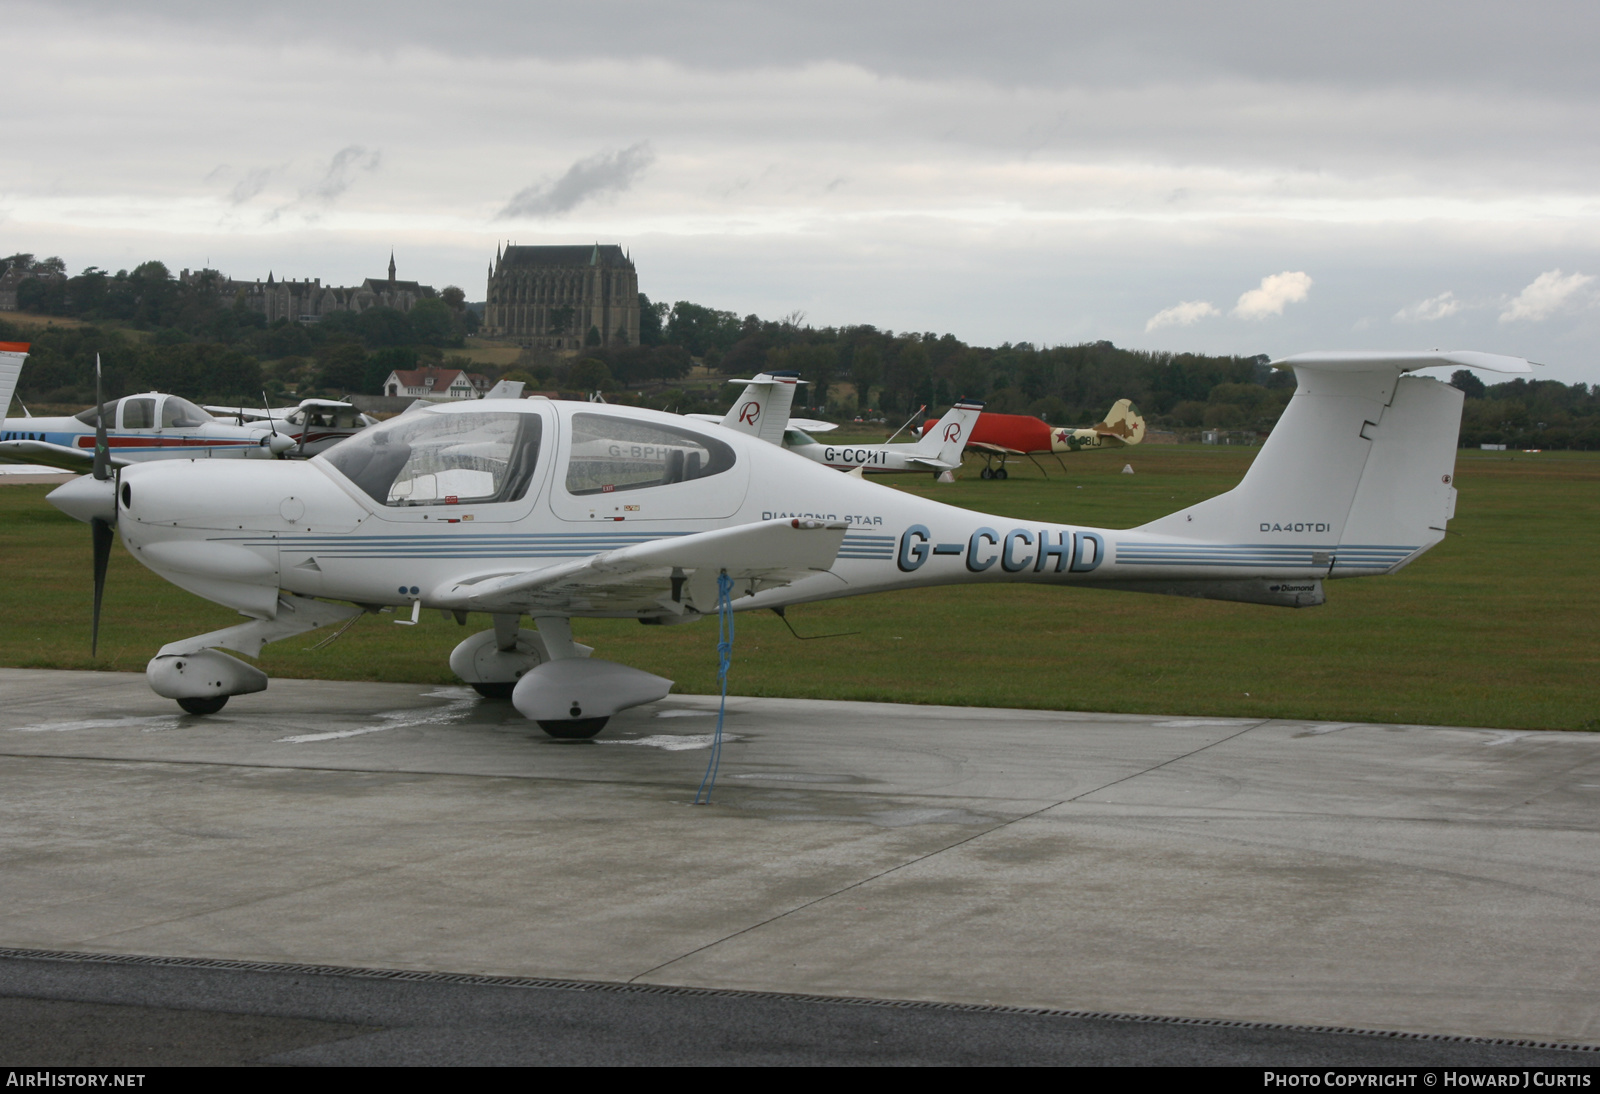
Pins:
x,y
574,729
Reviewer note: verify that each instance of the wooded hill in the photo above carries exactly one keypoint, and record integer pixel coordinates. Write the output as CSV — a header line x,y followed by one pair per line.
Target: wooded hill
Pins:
x,y
155,331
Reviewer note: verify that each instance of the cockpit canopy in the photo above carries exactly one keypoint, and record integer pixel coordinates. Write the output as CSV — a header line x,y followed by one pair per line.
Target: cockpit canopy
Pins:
x,y
442,459
139,412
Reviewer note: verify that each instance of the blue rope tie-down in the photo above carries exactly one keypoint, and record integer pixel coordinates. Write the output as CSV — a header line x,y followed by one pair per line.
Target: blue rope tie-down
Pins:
x,y
724,660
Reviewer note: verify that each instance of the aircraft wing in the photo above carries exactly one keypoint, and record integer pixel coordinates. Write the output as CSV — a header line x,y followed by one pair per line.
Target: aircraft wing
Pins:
x,y
997,449
668,575
813,425
51,455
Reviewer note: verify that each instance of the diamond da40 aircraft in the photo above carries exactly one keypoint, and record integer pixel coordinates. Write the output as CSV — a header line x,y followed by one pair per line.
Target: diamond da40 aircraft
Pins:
x,y
555,510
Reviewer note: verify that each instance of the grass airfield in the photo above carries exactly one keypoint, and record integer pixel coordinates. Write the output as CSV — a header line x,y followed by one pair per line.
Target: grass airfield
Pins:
x,y
1493,627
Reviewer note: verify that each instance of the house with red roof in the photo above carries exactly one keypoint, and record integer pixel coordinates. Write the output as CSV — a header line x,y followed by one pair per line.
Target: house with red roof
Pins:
x,y
437,383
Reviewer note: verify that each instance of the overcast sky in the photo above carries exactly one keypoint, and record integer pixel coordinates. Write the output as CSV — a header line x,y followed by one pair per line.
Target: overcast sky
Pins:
x,y
1248,178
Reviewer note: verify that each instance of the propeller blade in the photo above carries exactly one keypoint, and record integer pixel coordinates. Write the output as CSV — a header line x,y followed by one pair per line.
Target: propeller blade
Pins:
x,y
102,451
103,533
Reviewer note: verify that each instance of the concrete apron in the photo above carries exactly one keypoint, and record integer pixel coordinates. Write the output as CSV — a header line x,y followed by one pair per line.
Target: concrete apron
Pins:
x,y
1414,878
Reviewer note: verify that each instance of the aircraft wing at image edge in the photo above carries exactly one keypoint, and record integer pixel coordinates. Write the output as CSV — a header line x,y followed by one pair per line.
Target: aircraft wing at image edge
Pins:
x,y
675,573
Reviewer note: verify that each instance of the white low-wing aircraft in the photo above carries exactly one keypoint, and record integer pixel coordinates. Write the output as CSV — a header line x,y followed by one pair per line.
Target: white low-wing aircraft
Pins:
x,y
762,411
937,450
554,510
147,426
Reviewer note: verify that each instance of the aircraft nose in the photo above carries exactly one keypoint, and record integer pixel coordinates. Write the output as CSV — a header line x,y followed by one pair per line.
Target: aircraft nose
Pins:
x,y
86,498
279,443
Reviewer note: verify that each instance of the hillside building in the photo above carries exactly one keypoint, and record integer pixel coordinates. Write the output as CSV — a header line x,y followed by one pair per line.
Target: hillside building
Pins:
x,y
563,298
308,300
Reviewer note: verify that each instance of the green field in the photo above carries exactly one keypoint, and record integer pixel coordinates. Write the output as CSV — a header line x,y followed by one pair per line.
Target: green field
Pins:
x,y
1494,627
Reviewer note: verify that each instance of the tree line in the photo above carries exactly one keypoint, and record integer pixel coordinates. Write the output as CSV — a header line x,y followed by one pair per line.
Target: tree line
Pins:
x,y
190,337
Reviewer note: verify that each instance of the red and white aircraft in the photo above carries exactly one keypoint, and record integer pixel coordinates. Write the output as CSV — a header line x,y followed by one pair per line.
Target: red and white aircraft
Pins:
x,y
147,426
1005,435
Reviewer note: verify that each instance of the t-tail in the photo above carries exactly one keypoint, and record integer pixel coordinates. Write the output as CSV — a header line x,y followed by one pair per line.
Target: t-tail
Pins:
x,y
1356,478
763,409
943,444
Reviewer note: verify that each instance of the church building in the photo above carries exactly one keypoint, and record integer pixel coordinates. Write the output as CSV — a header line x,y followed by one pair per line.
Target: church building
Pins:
x,y
563,298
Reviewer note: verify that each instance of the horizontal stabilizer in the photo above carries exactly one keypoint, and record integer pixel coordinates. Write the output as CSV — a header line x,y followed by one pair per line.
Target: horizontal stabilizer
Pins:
x,y
1404,360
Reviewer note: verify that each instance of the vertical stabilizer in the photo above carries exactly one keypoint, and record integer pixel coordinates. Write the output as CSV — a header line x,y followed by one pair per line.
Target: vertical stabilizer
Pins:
x,y
1123,422
949,436
763,409
1359,469
12,354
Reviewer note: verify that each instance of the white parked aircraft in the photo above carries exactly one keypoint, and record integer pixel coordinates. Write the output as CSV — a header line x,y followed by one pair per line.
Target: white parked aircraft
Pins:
x,y
555,510
762,409
937,450
147,426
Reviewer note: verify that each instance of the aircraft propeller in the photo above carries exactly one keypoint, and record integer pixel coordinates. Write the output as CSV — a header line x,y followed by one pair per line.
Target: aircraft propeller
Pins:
x,y
100,529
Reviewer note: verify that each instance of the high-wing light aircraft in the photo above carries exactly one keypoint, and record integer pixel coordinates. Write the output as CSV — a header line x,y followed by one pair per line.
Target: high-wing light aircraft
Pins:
x,y
148,426
1005,435
559,510
314,424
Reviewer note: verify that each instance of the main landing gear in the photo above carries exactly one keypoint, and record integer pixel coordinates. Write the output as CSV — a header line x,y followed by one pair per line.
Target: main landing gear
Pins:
x,y
550,678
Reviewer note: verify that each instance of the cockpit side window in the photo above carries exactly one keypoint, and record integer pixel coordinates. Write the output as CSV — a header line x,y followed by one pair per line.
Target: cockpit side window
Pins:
x,y
612,453
797,438
138,413
443,459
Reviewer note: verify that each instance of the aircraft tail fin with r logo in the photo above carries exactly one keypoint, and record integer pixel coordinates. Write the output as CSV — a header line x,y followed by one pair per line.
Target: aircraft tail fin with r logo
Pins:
x,y
762,410
949,436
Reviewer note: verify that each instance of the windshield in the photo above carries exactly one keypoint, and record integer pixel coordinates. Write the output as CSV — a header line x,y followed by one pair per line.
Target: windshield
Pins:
x,y
179,413
92,415
442,459
797,438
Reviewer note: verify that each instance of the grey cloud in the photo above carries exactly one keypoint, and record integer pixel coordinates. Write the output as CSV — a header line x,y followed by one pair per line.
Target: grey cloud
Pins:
x,y
341,170
248,187
601,173
1358,44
